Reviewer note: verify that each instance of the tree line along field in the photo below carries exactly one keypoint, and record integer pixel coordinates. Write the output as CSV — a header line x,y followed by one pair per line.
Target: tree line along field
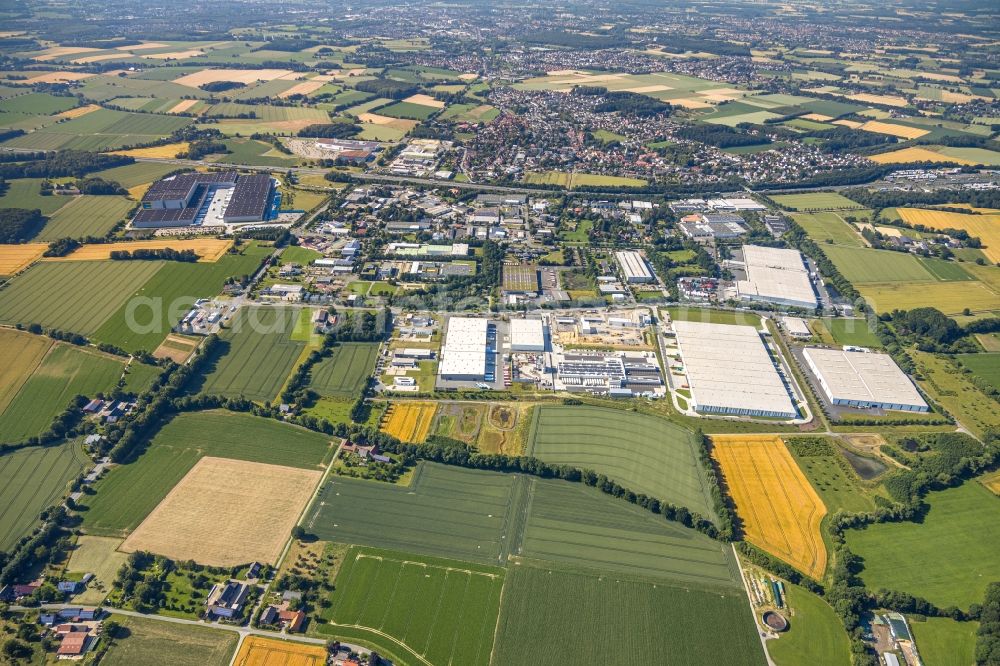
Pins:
x,y
256,355
31,480
779,509
643,453
345,372
549,615
64,372
444,611
127,494
85,215
445,512
949,558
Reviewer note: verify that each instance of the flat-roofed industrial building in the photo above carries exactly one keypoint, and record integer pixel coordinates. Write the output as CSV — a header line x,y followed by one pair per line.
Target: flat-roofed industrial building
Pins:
x,y
190,198
730,371
776,275
527,335
463,355
863,379
634,267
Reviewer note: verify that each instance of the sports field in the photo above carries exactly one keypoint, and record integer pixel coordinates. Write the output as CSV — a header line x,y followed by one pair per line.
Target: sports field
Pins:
x,y
643,453
129,492
555,616
64,295
260,651
256,355
32,479
345,371
779,509
444,611
815,634
947,559
815,201
15,258
581,527
444,512
827,225
86,215
984,227
100,557
409,421
207,249
227,534
153,641
65,372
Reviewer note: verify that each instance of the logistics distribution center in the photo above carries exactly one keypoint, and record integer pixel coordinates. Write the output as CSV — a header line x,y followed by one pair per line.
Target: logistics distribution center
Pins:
x,y
466,354
634,267
863,379
730,371
527,335
206,199
775,275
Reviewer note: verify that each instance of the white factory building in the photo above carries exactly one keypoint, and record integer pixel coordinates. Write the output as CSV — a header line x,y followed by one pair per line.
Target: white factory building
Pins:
x,y
463,355
634,267
776,275
863,379
730,371
527,335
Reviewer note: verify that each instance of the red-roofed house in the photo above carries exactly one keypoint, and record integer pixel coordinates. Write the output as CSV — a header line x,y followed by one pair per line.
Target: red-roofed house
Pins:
x,y
73,644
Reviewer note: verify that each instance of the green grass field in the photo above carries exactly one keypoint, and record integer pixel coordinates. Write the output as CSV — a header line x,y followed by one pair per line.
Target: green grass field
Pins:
x,y
408,110
169,294
85,216
158,642
815,634
643,453
942,641
851,332
553,616
345,372
256,355
32,479
445,611
831,226
713,316
814,201
104,129
24,193
580,527
984,366
98,556
837,485
861,265
949,558
947,384
573,180
66,371
444,512
76,296
139,173
129,492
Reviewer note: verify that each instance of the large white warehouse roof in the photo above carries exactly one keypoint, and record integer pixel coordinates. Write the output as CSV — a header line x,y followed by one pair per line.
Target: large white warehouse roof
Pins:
x,y
776,275
527,335
730,371
464,351
863,379
634,266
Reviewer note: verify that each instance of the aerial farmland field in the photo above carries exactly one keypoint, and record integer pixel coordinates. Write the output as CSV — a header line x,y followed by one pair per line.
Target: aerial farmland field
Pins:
x,y
345,371
781,512
815,201
984,227
261,651
445,611
65,372
816,635
444,512
643,453
32,479
15,258
85,215
256,355
948,558
409,421
128,493
828,225
554,615
984,366
151,641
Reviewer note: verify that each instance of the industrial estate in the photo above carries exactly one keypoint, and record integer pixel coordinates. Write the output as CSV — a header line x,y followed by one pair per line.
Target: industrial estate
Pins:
x,y
481,334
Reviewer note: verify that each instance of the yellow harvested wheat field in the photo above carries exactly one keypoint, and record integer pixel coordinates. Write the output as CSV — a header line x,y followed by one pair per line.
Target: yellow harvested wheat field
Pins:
x,y
907,155
183,106
211,519
15,258
425,100
780,510
258,651
209,250
409,421
984,227
77,112
166,151
247,76
901,131
887,100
